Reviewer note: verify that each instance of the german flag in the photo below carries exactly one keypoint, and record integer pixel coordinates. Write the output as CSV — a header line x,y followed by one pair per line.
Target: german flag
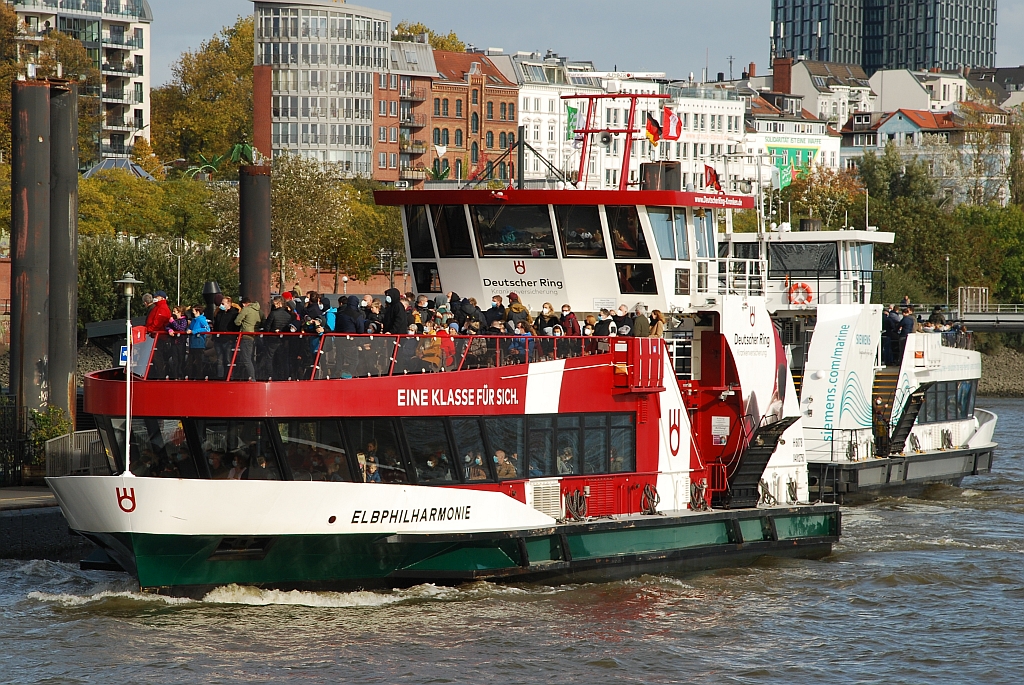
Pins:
x,y
653,130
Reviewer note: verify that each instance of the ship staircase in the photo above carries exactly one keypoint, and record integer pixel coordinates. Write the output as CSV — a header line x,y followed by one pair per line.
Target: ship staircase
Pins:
x,y
743,484
914,403
883,396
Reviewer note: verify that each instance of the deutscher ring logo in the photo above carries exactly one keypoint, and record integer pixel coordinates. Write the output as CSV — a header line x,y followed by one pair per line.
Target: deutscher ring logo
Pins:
x,y
520,266
126,499
674,418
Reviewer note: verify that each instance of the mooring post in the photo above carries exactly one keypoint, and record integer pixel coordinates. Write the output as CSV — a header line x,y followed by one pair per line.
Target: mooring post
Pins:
x,y
63,342
254,235
30,246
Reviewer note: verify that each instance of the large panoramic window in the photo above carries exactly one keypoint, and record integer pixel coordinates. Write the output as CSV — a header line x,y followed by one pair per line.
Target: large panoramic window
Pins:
x,y
579,229
451,230
238,449
430,452
158,448
949,401
803,260
513,230
314,450
420,245
627,237
377,449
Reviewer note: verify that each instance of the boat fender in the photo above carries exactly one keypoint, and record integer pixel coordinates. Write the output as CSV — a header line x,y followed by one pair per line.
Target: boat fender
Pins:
x,y
800,293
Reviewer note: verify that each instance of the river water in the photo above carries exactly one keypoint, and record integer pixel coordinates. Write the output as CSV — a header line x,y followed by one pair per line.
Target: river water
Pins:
x,y
927,590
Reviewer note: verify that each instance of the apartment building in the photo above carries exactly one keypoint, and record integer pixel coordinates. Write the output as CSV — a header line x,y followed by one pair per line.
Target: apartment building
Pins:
x,y
473,118
408,147
115,34
326,60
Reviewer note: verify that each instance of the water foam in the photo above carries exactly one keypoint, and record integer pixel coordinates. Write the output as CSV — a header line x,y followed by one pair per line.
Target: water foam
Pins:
x,y
73,600
252,596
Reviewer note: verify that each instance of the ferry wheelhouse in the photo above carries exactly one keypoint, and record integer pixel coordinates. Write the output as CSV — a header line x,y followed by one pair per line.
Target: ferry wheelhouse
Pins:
x,y
873,425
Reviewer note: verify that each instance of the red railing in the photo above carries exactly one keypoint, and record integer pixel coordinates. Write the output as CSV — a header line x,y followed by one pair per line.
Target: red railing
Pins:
x,y
302,356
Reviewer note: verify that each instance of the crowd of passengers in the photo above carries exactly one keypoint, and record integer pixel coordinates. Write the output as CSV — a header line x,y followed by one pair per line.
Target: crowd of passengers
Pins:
x,y
188,344
899,321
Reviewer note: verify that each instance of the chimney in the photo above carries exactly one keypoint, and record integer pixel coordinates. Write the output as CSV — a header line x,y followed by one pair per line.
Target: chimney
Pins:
x,y
721,76
782,74
752,70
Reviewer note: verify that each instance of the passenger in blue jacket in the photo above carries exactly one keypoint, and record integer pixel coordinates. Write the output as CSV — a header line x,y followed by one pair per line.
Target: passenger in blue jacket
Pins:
x,y
197,343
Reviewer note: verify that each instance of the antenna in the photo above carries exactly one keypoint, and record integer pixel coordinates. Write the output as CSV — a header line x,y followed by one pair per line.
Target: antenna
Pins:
x,y
731,60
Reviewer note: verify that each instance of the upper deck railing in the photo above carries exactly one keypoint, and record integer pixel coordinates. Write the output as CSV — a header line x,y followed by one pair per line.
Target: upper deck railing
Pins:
x,y
301,356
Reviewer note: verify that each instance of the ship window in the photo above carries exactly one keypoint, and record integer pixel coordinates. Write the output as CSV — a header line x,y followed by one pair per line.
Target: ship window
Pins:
x,y
803,260
682,281
636,278
622,450
539,441
704,232
159,448
949,401
451,230
469,446
746,250
428,279
505,434
579,229
682,240
595,443
374,441
567,445
420,246
661,223
513,230
314,450
609,443
430,452
238,449
627,237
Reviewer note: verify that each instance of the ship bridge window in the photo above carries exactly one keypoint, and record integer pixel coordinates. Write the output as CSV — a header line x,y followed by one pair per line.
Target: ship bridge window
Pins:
x,y
704,232
238,449
669,226
420,246
314,450
746,250
428,279
451,230
513,230
803,260
627,237
579,229
159,448
636,278
432,456
377,451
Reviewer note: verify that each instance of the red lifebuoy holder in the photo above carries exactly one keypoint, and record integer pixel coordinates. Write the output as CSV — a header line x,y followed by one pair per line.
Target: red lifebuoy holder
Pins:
x,y
800,293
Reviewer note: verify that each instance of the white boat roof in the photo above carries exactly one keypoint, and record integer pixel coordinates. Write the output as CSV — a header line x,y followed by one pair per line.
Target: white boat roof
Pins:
x,y
877,237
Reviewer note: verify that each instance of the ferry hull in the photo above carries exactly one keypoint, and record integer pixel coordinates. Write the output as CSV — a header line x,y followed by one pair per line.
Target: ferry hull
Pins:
x,y
169,560
898,476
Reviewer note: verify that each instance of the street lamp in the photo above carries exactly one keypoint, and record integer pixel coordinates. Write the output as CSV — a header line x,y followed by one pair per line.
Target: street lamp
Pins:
x,y
947,283
128,284
344,280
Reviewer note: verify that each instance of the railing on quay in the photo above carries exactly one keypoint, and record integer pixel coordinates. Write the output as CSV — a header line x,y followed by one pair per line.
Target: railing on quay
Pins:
x,y
331,356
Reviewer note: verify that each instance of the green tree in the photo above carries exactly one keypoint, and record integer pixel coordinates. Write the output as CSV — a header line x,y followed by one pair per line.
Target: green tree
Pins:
x,y
207,106
143,155
94,208
138,204
449,42
8,73
101,259
187,204
1016,168
823,193
888,176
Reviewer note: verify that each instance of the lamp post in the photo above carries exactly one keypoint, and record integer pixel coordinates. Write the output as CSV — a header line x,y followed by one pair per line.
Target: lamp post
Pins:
x,y
128,284
947,283
344,280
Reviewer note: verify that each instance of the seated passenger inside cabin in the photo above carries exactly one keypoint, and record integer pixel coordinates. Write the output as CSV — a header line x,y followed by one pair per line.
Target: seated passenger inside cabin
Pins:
x,y
372,475
240,466
218,470
566,462
506,469
477,470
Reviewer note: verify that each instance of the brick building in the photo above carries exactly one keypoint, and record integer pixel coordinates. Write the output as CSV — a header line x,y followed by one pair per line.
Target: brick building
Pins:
x,y
472,117
403,114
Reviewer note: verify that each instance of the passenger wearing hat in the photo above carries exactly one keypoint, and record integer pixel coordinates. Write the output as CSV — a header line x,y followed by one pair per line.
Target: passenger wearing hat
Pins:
x,y
517,312
159,315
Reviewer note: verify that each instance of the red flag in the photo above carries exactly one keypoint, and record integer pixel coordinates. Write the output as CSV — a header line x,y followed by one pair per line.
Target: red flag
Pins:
x,y
138,335
711,178
653,130
671,126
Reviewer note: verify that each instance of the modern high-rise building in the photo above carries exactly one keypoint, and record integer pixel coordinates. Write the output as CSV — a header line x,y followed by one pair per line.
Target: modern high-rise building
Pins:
x,y
325,59
115,34
887,34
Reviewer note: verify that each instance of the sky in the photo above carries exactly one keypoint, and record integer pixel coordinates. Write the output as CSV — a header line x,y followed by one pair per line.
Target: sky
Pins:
x,y
673,36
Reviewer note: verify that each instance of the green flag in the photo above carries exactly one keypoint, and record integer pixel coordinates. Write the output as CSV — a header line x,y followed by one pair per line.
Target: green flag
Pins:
x,y
571,121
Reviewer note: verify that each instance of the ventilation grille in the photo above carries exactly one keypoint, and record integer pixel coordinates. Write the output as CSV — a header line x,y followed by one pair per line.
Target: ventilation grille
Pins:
x,y
547,498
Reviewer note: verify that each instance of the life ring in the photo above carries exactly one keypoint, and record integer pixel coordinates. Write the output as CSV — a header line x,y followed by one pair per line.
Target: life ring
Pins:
x,y
800,293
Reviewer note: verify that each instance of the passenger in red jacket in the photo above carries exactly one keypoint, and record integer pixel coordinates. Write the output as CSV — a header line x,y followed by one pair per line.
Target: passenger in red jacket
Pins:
x,y
160,315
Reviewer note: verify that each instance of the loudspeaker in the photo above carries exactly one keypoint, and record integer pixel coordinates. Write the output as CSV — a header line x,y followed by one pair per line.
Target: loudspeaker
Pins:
x,y
605,139
661,176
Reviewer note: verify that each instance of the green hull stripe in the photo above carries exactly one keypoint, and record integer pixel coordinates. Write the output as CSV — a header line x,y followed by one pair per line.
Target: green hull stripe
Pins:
x,y
179,560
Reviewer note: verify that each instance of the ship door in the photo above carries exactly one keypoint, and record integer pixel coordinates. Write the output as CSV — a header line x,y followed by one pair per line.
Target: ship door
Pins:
x,y
708,351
